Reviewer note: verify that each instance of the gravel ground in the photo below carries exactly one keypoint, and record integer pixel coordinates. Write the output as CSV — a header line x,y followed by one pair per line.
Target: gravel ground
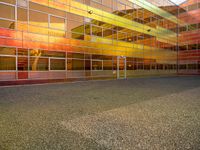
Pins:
x,y
142,113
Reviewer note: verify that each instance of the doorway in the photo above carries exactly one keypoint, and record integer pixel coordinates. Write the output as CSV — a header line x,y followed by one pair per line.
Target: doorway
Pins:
x,y
121,67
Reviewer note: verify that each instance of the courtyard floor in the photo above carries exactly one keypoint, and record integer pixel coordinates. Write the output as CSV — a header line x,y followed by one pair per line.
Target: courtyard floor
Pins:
x,y
139,113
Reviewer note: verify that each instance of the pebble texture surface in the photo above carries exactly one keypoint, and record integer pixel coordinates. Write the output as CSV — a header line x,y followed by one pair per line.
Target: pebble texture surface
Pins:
x,y
143,113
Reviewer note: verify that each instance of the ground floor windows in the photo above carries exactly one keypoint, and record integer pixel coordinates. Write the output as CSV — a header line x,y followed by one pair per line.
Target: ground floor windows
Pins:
x,y
7,63
107,65
7,51
97,65
75,64
22,63
57,64
37,63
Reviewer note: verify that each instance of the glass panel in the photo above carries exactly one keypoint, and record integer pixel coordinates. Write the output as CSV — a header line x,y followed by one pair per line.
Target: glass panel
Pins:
x,y
7,12
39,7
75,55
129,65
7,51
38,19
54,32
22,63
87,64
57,64
58,23
71,16
36,52
22,14
140,66
97,56
7,24
7,63
97,65
22,51
57,12
107,65
192,7
40,64
75,64
96,31
75,26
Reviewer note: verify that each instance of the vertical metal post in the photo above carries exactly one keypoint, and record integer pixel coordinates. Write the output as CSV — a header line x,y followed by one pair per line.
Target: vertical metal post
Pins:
x,y
124,67
118,57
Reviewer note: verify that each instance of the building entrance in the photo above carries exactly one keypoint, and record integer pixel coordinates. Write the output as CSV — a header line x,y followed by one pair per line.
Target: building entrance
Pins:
x,y
121,67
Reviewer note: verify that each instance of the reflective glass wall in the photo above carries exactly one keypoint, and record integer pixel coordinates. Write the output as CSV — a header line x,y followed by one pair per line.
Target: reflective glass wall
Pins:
x,y
189,37
63,39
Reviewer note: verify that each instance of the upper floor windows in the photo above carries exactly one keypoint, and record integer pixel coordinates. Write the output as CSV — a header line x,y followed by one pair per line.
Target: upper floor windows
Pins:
x,y
7,11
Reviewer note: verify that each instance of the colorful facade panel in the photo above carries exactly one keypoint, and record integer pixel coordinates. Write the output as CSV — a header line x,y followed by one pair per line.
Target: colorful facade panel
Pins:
x,y
61,39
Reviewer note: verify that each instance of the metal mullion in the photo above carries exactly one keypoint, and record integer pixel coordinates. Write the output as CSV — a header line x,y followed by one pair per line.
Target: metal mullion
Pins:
x,y
7,19
16,61
7,4
28,69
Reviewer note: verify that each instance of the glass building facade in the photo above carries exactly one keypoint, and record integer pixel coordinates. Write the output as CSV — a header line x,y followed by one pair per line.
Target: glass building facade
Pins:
x,y
92,39
189,37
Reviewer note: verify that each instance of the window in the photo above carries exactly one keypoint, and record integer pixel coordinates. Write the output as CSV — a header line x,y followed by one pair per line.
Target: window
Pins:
x,y
7,12
192,66
182,29
107,64
22,14
109,33
97,65
192,27
183,47
75,55
7,63
182,66
87,64
22,52
192,47
22,63
7,51
192,7
140,66
75,29
75,64
57,23
38,19
7,24
39,7
38,64
96,30
146,66
129,65
36,52
122,36
75,26
198,46
75,17
57,64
